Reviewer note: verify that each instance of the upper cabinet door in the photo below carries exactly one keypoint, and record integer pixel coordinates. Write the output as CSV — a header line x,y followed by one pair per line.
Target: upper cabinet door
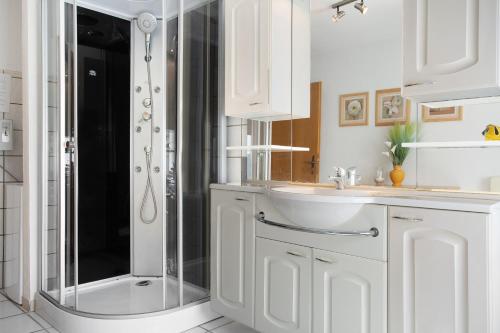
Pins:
x,y
349,293
246,57
438,271
283,285
450,49
233,247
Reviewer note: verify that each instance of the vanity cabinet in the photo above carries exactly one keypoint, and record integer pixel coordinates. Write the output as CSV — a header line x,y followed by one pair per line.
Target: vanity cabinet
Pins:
x,y
440,272
451,49
233,255
349,293
259,80
283,285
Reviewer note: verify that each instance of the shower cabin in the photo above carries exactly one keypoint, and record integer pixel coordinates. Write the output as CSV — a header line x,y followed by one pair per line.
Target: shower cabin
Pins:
x,y
130,145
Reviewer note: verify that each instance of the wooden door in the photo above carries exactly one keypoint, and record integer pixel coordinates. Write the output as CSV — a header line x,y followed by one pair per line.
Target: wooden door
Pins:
x,y
438,271
233,247
349,294
299,166
283,285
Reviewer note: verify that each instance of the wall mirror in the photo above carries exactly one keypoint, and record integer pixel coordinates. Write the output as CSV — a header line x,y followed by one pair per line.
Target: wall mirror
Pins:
x,y
355,96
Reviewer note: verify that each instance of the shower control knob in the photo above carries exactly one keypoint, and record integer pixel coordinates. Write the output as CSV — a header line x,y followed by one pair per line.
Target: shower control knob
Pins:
x,y
138,169
146,116
157,89
157,129
138,89
138,129
146,102
157,169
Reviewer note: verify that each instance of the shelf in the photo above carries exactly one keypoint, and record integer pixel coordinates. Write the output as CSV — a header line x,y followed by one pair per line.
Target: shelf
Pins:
x,y
452,144
271,148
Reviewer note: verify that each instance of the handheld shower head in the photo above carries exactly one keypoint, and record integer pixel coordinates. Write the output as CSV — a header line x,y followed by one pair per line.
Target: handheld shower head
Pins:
x,y
147,24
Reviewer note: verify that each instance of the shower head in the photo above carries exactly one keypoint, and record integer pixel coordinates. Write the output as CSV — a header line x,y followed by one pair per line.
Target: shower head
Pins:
x,y
147,22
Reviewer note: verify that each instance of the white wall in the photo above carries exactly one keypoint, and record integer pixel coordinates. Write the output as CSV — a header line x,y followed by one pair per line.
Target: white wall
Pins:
x,y
10,35
365,69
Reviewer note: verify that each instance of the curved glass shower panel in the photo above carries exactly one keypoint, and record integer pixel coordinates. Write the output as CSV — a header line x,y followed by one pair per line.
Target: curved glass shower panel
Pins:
x,y
199,135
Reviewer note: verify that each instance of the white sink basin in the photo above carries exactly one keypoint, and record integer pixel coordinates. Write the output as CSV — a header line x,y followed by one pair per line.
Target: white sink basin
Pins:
x,y
320,208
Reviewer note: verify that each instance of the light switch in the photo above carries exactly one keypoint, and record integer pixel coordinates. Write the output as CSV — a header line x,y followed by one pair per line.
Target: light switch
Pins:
x,y
6,135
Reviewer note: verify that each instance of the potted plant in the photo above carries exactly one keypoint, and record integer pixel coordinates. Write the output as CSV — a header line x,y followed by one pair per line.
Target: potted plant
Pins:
x,y
399,134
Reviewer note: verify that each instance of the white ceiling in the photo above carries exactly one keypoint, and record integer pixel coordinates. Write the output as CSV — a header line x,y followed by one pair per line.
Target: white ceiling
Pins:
x,y
382,22
132,8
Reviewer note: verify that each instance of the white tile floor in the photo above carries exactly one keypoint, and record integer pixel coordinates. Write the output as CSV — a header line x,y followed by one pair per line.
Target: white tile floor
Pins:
x,y
13,319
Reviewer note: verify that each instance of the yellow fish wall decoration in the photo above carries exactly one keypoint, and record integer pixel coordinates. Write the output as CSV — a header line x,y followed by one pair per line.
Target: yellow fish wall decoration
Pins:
x,y
492,133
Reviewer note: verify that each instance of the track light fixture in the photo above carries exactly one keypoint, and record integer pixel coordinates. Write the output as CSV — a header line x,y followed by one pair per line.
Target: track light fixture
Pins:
x,y
340,13
361,7
337,16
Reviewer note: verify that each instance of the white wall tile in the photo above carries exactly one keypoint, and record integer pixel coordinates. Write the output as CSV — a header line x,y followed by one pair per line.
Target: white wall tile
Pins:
x,y
11,248
15,166
16,115
12,220
231,121
16,96
13,195
1,249
233,170
234,139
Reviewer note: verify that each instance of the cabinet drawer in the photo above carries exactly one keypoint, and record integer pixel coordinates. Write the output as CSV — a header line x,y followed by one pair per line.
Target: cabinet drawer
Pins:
x,y
368,217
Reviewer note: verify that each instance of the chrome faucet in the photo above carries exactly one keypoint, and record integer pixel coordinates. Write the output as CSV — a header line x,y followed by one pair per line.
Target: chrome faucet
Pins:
x,y
338,178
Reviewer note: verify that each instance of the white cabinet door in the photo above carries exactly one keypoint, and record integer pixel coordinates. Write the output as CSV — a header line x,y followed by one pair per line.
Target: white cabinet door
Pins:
x,y
233,247
349,294
246,57
450,49
438,271
283,285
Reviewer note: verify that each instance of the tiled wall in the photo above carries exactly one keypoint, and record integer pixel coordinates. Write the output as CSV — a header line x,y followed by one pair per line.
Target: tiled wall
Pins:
x,y
11,161
236,128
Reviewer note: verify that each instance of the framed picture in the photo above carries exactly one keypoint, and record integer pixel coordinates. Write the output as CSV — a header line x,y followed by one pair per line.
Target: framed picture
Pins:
x,y
353,109
391,107
452,113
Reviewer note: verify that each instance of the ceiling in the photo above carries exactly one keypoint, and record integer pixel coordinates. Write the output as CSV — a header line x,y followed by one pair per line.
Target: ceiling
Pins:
x,y
132,8
382,22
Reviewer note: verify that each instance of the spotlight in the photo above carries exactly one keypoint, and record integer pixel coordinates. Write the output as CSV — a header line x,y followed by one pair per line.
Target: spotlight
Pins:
x,y
340,14
361,7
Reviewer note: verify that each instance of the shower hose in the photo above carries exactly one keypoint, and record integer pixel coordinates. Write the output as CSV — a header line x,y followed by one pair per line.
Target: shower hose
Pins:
x,y
149,152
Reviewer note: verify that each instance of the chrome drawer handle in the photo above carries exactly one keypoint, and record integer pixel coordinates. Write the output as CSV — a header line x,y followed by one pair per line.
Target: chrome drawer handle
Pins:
x,y
255,104
326,261
295,254
408,219
373,232
414,84
241,199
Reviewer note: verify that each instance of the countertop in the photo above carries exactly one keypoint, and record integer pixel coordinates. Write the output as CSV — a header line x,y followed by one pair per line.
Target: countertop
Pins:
x,y
432,199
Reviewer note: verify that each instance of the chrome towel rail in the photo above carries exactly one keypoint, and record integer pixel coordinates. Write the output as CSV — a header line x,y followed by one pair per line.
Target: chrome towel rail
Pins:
x,y
373,232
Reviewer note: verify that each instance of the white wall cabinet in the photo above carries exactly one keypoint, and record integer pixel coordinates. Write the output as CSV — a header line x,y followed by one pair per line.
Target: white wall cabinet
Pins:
x,y
451,49
283,287
349,293
259,81
439,272
233,253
